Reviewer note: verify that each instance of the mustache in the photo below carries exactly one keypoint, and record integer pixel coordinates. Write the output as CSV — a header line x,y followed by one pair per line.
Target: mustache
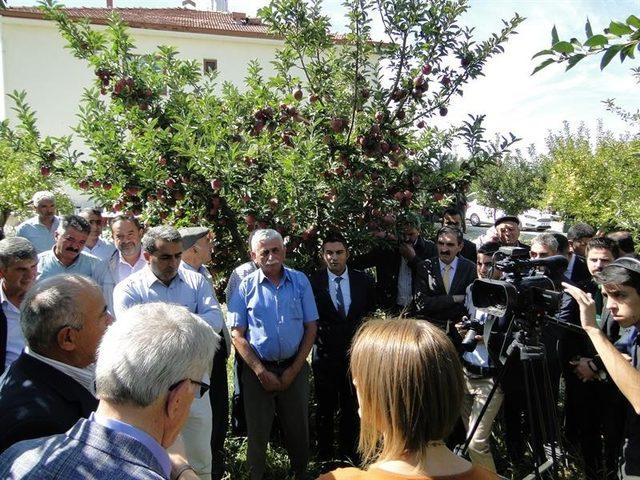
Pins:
x,y
71,249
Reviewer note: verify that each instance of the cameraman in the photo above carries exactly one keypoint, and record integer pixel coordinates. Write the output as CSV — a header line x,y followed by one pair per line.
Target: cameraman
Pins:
x,y
479,368
620,282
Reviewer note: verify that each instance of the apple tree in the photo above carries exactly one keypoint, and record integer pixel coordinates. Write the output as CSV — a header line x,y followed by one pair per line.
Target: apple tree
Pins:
x,y
341,137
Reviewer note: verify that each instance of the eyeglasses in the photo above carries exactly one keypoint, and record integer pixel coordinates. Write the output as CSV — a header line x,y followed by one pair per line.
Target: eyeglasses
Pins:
x,y
204,388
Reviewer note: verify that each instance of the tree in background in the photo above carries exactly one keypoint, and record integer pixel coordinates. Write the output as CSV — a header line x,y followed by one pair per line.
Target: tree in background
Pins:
x,y
513,184
21,162
339,138
596,180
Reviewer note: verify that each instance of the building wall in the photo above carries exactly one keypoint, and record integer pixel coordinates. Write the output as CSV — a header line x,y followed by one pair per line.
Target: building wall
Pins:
x,y
34,58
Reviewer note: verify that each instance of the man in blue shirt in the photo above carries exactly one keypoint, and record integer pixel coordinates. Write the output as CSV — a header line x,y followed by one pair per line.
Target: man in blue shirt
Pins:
x,y
162,280
39,230
67,256
146,381
273,319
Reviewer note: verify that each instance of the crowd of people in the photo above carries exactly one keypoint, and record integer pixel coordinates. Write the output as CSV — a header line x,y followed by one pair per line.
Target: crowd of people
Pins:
x,y
113,348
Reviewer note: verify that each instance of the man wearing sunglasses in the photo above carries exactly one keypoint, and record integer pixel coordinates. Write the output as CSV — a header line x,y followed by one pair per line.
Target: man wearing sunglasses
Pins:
x,y
146,381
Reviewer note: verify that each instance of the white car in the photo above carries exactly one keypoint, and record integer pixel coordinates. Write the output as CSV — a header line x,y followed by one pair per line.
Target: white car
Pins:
x,y
534,219
480,215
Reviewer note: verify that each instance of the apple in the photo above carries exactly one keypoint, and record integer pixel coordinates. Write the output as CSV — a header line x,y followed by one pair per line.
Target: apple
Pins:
x,y
83,184
216,184
297,94
170,182
250,219
107,186
389,219
162,160
97,184
421,124
426,69
443,111
45,171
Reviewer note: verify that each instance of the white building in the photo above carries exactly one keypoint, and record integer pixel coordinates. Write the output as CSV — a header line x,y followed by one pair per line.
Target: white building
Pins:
x,y
33,57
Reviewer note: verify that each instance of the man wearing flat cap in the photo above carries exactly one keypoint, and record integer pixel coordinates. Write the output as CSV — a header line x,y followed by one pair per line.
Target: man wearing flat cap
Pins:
x,y
39,229
196,254
508,231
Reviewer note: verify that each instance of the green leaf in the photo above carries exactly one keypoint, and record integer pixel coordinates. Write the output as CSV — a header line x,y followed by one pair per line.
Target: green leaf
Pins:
x,y
543,52
608,55
587,29
544,64
575,59
633,21
554,36
596,41
619,28
628,50
563,47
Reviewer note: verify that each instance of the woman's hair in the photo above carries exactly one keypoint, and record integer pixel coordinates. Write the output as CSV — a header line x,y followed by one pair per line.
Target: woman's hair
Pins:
x,y
410,387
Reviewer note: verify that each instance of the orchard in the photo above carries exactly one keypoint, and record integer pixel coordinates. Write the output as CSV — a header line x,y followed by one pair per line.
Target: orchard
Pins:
x,y
341,137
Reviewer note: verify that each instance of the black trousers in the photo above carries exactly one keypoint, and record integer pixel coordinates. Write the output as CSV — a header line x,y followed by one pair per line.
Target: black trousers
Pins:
x,y
594,418
335,397
219,397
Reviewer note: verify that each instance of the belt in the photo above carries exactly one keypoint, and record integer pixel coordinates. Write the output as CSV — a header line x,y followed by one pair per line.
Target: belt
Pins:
x,y
477,369
287,362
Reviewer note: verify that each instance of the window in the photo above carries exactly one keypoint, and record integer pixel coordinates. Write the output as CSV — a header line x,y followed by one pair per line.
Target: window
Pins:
x,y
209,66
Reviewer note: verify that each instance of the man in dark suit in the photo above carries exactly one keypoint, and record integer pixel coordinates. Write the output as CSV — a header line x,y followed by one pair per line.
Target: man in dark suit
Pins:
x,y
146,381
453,218
577,270
344,296
49,387
442,281
396,264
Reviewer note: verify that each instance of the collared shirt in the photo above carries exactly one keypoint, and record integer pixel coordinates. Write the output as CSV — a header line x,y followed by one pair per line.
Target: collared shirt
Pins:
x,y
187,288
143,437
40,236
236,277
15,338
345,286
273,316
124,269
85,264
405,284
452,272
101,249
84,376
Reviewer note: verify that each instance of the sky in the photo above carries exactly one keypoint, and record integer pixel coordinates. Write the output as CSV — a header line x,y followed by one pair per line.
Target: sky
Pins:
x,y
511,98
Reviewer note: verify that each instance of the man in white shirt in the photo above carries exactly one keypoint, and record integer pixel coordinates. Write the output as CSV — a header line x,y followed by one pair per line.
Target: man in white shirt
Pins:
x,y
127,234
18,264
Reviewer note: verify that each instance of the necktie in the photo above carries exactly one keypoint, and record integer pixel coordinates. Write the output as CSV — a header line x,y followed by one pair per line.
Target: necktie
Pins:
x,y
446,277
340,298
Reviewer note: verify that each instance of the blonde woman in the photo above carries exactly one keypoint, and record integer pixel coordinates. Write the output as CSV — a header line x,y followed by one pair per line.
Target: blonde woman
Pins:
x,y
409,384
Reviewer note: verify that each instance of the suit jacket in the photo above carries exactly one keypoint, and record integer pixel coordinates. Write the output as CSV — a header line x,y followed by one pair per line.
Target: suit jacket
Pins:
x,y
469,251
431,300
580,274
387,264
87,451
3,339
37,400
335,332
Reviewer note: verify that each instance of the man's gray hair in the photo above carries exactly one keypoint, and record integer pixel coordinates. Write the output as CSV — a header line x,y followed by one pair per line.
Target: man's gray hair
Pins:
x,y
546,240
150,348
14,249
264,235
162,232
50,305
42,196
74,221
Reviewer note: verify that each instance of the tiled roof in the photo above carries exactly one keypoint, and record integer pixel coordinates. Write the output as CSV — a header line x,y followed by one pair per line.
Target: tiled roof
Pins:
x,y
175,19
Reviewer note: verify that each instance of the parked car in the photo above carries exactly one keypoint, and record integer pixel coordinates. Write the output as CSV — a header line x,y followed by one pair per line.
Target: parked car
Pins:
x,y
480,215
534,219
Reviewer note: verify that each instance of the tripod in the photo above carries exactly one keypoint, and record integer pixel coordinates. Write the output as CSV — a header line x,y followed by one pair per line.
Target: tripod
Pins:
x,y
527,349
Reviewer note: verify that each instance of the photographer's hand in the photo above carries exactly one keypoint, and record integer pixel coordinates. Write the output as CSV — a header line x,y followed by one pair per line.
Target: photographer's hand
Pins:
x,y
587,306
